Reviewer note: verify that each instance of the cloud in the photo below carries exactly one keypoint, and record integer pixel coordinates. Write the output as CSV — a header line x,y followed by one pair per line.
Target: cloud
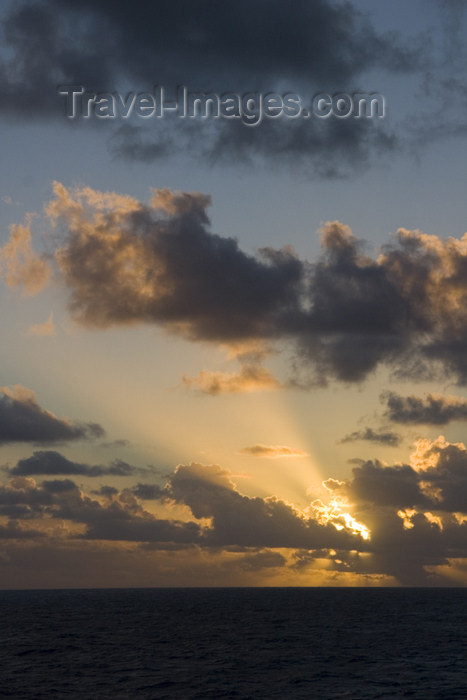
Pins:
x,y
263,560
149,492
106,491
7,199
117,518
16,531
343,315
63,563
380,438
435,480
19,265
46,328
415,514
50,462
116,443
273,451
433,409
253,522
317,148
332,484
403,309
325,46
23,420
125,264
441,467
251,378
383,485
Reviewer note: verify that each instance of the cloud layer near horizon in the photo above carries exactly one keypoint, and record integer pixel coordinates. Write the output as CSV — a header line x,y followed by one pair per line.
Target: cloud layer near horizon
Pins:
x,y
52,463
415,515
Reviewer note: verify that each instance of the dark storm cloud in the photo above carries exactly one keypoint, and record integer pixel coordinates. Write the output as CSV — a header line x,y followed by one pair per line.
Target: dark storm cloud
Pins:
x,y
107,491
405,309
119,518
231,519
414,514
149,492
445,471
50,462
57,486
320,148
380,485
211,47
410,512
407,553
343,315
435,480
404,555
433,409
445,79
114,523
380,438
164,265
23,420
328,148
358,313
251,522
22,498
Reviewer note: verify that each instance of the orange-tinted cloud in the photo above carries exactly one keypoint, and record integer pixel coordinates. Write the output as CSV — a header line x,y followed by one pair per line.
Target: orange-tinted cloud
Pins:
x,y
347,313
273,451
250,378
382,523
46,328
20,266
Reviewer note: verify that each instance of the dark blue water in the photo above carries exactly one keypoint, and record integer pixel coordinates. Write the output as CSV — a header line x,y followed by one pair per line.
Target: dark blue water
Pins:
x,y
283,643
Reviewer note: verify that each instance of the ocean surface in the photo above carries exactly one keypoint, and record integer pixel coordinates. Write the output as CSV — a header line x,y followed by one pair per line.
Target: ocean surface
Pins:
x,y
188,644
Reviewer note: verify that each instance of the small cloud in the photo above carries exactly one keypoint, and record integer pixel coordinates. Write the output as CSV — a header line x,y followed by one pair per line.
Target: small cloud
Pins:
x,y
46,328
115,443
273,451
22,419
53,463
6,199
389,438
251,378
433,409
106,491
149,492
332,484
20,266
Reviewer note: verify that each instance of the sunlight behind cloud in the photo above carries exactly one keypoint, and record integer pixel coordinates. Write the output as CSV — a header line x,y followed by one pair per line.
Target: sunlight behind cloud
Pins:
x,y
334,513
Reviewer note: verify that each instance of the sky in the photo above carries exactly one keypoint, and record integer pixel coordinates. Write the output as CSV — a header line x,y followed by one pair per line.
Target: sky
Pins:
x,y
233,353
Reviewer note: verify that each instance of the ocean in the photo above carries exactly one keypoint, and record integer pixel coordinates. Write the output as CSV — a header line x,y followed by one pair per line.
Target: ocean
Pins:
x,y
254,643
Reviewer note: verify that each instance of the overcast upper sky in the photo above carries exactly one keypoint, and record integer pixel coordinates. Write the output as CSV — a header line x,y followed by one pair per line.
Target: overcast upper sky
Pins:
x,y
233,346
